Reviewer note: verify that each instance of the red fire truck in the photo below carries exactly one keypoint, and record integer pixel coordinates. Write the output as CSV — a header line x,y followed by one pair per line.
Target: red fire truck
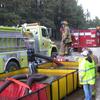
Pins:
x,y
89,38
85,38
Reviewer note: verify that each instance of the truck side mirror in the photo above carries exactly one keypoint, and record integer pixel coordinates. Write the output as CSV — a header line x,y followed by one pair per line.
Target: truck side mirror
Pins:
x,y
49,32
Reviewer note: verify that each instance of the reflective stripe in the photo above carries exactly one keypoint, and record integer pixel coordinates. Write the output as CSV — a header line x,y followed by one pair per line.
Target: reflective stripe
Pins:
x,y
86,69
23,51
89,79
75,34
81,34
87,33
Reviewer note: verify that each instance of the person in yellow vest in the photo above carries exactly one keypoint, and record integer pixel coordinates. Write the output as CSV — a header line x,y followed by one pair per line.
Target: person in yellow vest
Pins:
x,y
66,38
87,75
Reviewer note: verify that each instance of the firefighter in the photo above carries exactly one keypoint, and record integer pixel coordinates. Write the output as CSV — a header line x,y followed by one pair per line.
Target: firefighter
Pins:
x,y
66,38
87,74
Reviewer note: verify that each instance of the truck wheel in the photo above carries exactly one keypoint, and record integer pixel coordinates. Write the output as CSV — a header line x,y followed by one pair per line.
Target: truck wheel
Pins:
x,y
12,66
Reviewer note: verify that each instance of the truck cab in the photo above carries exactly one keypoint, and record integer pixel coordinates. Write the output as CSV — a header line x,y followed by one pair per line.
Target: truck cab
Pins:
x,y
38,39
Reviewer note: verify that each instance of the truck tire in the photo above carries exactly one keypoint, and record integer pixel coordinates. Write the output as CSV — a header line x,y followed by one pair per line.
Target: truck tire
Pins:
x,y
12,66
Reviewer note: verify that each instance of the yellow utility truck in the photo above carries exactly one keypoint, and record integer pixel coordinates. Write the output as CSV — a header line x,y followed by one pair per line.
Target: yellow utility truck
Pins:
x,y
17,45
37,37
13,52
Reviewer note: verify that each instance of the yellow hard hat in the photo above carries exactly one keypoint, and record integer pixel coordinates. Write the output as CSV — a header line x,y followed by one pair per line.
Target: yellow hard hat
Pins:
x,y
84,53
64,22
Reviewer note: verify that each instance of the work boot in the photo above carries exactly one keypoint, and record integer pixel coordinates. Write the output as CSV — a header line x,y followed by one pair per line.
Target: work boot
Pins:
x,y
94,93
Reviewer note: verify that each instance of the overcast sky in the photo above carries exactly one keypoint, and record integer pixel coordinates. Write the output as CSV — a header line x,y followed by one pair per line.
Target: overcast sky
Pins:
x,y
93,7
